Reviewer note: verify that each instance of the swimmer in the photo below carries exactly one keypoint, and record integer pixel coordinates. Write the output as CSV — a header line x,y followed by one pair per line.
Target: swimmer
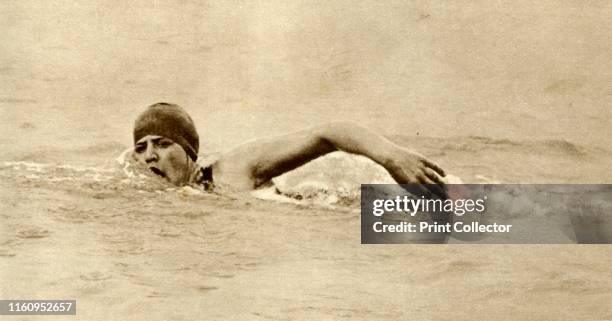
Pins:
x,y
167,143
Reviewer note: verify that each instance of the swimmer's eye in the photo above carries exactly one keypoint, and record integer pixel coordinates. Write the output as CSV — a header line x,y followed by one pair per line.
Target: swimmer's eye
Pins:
x,y
164,143
140,149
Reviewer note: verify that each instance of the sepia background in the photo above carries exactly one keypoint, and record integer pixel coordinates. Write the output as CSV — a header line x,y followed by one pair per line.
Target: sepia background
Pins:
x,y
494,91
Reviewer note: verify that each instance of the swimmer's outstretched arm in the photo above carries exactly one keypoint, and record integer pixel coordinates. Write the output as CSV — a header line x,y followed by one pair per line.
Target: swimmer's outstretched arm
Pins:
x,y
255,163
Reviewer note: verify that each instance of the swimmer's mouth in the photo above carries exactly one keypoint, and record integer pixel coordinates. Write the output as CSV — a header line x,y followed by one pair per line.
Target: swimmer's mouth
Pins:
x,y
157,171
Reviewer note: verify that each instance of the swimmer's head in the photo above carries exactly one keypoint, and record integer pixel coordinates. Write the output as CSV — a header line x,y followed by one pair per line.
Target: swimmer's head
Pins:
x,y
166,141
169,121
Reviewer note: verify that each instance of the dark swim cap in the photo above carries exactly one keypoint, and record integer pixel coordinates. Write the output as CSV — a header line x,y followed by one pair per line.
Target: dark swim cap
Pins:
x,y
169,121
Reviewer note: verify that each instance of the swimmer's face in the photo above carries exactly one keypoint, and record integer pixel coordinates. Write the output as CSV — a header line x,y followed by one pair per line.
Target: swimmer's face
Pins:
x,y
164,158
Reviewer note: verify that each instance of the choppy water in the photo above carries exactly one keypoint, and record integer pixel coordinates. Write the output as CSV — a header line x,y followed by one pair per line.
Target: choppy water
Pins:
x,y
130,245
511,93
125,243
335,178
323,182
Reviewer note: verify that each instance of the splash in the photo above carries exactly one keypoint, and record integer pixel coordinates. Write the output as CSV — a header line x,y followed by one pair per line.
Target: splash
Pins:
x,y
330,181
67,177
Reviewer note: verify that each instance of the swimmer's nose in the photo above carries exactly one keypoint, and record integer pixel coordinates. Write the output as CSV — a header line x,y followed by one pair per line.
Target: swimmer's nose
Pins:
x,y
150,154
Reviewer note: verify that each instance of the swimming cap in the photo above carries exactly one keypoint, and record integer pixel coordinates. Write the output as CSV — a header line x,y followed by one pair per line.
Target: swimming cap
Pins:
x,y
169,121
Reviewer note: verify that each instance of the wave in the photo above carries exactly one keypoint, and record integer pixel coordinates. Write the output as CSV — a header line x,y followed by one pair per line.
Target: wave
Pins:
x,y
323,182
74,177
558,146
332,180
482,143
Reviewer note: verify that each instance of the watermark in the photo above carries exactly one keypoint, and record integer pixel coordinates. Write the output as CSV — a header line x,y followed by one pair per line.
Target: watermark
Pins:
x,y
37,307
494,214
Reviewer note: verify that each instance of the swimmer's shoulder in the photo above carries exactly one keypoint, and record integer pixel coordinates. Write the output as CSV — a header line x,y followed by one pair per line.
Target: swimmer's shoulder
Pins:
x,y
228,170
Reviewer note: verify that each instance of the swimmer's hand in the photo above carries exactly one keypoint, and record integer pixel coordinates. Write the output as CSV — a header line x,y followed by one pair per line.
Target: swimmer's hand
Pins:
x,y
408,167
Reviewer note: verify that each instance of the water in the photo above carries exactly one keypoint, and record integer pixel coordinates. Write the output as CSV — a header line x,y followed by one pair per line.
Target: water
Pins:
x,y
509,93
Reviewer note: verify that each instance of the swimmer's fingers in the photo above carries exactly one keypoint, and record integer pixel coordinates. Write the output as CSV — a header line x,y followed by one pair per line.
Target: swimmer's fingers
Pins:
x,y
432,187
433,166
434,176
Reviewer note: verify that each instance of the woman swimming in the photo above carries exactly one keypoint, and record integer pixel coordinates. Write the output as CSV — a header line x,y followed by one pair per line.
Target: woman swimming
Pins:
x,y
166,142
